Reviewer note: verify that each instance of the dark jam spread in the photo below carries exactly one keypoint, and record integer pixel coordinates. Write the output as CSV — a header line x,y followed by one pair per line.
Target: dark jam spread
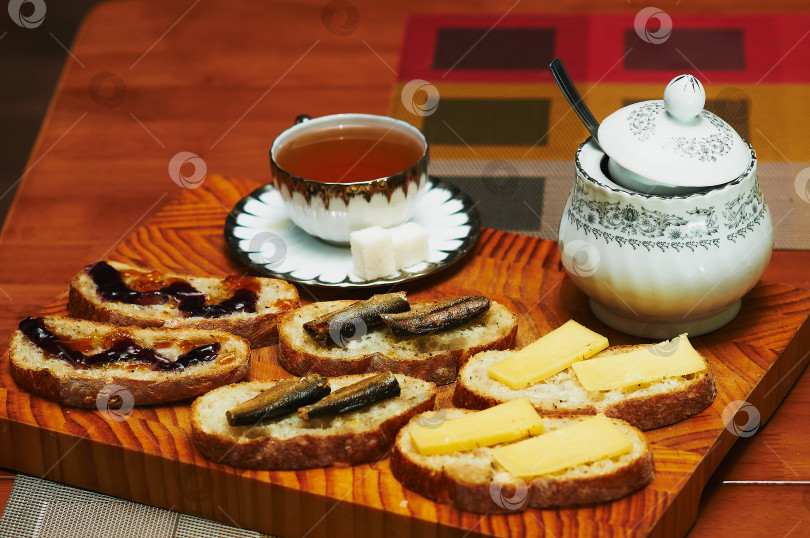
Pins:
x,y
123,348
190,301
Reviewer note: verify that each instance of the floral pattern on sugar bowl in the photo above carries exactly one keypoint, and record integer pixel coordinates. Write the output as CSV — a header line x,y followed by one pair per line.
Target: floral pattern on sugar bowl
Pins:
x,y
632,224
656,266
628,224
744,213
641,123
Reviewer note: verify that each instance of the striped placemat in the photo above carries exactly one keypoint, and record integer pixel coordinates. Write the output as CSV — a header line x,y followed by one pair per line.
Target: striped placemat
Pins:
x,y
39,508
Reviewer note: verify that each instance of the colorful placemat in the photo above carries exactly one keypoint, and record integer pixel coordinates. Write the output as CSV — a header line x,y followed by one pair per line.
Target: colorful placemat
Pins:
x,y
501,130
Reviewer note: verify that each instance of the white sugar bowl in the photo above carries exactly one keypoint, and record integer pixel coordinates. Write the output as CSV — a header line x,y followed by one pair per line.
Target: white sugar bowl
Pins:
x,y
666,227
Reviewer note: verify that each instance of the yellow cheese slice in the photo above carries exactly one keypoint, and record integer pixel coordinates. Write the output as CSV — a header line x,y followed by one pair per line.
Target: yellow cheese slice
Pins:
x,y
583,442
506,422
549,355
642,365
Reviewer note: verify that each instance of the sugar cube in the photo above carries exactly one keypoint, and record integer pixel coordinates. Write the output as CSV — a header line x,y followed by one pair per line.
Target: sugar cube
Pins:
x,y
372,253
410,242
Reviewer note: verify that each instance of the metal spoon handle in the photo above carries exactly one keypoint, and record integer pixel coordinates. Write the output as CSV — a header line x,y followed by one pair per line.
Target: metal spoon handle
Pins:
x,y
574,99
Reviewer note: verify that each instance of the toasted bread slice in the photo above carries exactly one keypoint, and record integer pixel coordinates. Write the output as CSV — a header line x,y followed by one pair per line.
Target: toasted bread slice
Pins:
x,y
471,480
647,406
56,379
259,328
355,437
434,357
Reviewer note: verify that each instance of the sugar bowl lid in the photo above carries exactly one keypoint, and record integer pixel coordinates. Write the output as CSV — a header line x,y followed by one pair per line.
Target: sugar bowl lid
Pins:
x,y
675,141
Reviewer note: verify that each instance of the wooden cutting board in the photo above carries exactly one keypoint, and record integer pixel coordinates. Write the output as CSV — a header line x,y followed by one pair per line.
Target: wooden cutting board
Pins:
x,y
149,456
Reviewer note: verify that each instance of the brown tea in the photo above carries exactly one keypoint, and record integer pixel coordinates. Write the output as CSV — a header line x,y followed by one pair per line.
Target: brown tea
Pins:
x,y
348,154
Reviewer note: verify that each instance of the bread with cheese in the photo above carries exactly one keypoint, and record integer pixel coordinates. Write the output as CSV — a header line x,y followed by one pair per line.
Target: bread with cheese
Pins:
x,y
435,357
472,480
355,437
259,328
646,406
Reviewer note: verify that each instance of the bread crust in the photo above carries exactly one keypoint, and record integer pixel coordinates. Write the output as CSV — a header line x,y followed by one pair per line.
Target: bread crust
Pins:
x,y
260,329
437,485
541,492
548,492
643,412
440,367
659,410
82,386
304,451
468,398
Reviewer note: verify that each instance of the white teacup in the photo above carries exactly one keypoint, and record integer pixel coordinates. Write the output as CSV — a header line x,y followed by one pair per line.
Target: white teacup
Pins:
x,y
344,197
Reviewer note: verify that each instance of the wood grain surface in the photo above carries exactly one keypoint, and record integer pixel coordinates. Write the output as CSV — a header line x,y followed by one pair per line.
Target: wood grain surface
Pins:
x,y
6,483
148,455
221,79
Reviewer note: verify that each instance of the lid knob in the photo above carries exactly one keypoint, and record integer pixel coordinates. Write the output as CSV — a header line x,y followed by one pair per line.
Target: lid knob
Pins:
x,y
684,97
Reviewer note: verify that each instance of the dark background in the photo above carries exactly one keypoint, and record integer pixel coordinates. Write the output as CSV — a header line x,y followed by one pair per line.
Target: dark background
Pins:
x,y
31,61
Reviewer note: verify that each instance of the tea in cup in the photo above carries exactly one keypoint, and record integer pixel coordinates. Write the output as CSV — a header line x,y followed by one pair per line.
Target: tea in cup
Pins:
x,y
345,172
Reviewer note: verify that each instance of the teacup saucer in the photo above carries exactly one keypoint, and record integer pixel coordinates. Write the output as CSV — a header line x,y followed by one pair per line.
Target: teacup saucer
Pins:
x,y
260,233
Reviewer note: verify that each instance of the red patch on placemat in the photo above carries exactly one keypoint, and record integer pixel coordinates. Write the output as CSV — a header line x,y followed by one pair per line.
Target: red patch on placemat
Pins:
x,y
607,48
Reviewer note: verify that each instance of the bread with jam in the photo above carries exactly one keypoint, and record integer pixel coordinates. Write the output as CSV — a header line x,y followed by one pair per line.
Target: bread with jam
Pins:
x,y
74,361
125,295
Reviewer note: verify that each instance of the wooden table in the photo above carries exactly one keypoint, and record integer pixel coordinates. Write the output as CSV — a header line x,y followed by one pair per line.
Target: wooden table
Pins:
x,y
221,79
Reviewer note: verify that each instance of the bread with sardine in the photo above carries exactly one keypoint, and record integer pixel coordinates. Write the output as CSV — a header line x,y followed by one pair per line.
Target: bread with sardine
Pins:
x,y
313,421
513,459
89,364
572,371
126,295
430,340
